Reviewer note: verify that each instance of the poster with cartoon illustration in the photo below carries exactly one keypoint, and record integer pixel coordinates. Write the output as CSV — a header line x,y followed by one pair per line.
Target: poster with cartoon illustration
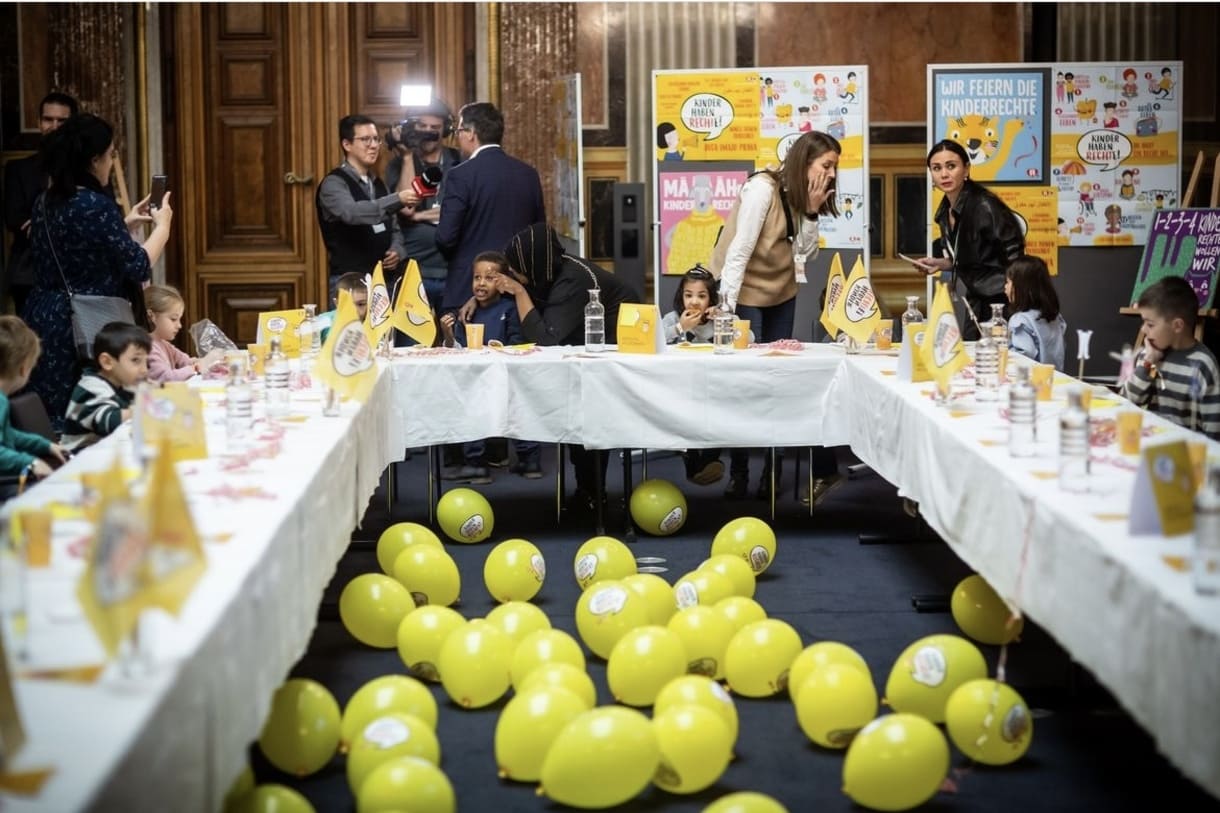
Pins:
x,y
1183,243
705,116
568,164
695,199
1036,209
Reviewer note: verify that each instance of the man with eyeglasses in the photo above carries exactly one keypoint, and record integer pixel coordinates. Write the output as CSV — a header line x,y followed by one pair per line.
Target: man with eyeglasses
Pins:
x,y
356,213
24,181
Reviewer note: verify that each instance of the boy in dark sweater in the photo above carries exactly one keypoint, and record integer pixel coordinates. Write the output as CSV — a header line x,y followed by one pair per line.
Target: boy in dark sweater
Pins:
x,y
102,399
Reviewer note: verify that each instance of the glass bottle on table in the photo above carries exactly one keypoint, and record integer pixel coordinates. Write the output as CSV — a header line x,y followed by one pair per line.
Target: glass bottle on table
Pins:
x,y
986,369
722,331
239,408
311,336
1074,445
912,315
1205,558
1022,415
277,386
595,323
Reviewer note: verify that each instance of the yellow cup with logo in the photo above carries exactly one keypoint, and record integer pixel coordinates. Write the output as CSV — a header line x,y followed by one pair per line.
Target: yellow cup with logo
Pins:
x,y
1129,425
885,334
474,336
35,529
741,333
1043,378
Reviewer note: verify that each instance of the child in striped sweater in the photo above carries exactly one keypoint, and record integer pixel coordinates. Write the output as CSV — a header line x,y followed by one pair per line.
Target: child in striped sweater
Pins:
x,y
102,399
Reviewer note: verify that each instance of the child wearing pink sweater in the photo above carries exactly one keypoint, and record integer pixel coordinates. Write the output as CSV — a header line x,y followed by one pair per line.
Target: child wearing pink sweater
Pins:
x,y
165,361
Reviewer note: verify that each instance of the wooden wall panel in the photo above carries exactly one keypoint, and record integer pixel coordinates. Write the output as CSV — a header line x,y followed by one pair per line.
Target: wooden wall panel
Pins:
x,y
236,304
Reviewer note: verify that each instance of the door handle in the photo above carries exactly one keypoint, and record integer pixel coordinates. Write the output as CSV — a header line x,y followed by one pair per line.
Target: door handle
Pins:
x,y
291,178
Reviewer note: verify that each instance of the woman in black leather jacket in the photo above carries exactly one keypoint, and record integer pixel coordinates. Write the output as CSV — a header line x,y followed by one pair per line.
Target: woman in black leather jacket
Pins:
x,y
980,235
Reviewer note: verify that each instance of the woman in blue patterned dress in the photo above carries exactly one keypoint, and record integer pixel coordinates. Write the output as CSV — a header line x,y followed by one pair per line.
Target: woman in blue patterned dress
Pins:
x,y
78,227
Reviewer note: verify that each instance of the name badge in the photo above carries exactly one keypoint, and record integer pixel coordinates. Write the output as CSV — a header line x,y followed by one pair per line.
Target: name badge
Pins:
x,y
378,228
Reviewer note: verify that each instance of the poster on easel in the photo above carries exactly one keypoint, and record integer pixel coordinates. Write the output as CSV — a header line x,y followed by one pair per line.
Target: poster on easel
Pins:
x,y
1183,243
568,162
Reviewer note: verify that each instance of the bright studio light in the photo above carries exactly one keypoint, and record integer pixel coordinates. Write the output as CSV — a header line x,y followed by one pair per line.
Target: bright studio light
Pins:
x,y
415,95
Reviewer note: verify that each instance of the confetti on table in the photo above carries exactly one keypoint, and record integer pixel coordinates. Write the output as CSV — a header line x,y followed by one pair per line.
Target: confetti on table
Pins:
x,y
25,783
1178,563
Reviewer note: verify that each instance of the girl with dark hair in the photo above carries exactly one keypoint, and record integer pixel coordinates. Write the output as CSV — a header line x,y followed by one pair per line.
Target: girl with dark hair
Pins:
x,y
1036,326
667,139
82,242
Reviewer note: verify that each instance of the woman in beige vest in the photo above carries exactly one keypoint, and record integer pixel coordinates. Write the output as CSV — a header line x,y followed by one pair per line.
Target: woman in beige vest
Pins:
x,y
770,233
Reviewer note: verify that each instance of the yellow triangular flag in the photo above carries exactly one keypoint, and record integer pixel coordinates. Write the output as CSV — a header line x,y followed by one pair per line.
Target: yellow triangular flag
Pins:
x,y
412,313
378,320
175,559
855,311
836,283
346,363
942,348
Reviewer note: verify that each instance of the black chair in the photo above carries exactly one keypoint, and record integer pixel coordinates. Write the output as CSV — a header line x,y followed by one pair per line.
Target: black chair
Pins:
x,y
29,414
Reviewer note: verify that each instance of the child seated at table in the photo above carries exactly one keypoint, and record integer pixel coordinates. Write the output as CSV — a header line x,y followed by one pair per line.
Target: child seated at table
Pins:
x,y
102,399
20,452
166,362
352,282
498,316
1036,326
1175,376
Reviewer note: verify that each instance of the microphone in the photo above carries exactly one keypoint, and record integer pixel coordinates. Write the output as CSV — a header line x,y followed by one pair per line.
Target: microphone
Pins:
x,y
427,182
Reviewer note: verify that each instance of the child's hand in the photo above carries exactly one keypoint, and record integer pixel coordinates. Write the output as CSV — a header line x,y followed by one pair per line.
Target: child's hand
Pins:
x,y
41,469
59,453
210,360
447,324
125,415
1151,354
690,319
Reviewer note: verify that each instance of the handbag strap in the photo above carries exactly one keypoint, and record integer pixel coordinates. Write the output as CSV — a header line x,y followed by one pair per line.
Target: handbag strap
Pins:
x,y
46,225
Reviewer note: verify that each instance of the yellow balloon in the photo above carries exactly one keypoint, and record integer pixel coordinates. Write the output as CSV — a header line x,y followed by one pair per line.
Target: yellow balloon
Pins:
x,y
528,726
514,571
465,515
696,747
562,676
823,653
381,696
544,646
896,762
982,614
474,664
748,538
301,733
605,613
430,574
697,690
389,736
518,619
658,507
989,722
421,636
273,799
602,758
737,570
642,662
241,787
745,802
396,538
758,656
602,558
739,611
372,606
657,593
928,671
705,636
701,587
406,783
835,702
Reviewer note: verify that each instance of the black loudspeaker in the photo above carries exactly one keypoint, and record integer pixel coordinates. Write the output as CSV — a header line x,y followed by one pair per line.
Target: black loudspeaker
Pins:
x,y
630,224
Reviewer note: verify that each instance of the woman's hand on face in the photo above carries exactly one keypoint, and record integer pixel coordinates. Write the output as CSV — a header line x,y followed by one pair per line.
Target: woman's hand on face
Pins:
x,y
505,284
819,191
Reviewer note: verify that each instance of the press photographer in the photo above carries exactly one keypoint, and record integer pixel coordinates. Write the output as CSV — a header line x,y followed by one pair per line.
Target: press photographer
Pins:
x,y
420,163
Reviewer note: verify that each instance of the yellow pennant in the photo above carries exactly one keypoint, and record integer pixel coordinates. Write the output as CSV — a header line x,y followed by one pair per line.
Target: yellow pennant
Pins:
x,y
855,311
378,321
346,362
836,283
412,313
942,349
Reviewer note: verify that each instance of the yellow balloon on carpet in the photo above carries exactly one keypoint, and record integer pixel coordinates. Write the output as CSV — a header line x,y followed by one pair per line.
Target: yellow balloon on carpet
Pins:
x,y
989,722
602,758
697,690
562,676
835,702
388,737
701,587
421,636
746,801
758,656
642,662
381,696
301,733
740,611
406,783
272,799
657,593
465,515
658,507
372,606
982,614
928,671
602,558
605,613
514,571
736,569
396,538
823,653
696,747
528,726
474,663
242,785
518,619
430,574
748,538
896,762
705,636
541,647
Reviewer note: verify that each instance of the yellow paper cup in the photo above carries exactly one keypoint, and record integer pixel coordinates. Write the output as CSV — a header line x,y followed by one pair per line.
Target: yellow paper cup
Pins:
x,y
1003,363
741,333
474,336
239,357
1086,396
258,355
1198,461
1043,378
35,525
885,334
1129,425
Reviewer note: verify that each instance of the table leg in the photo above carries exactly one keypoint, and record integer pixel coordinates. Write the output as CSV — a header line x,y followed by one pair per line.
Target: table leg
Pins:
x,y
599,493
559,482
434,482
629,529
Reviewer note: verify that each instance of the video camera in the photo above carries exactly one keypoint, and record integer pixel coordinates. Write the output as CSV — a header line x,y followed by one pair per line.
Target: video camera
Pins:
x,y
409,135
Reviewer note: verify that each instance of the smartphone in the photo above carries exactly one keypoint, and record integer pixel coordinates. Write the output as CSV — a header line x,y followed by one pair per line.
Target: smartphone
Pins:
x,y
911,260
159,185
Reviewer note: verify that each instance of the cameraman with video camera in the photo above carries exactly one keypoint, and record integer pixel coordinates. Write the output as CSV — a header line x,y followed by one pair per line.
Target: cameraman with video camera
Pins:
x,y
418,139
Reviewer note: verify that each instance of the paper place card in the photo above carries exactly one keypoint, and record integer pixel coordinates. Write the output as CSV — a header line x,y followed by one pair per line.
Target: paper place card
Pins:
x,y
1163,501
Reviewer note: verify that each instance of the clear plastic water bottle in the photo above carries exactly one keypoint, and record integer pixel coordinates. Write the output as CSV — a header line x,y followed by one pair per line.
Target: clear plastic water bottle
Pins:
x,y
311,337
1206,556
999,326
1022,415
239,408
1074,445
986,370
911,316
277,371
722,331
595,323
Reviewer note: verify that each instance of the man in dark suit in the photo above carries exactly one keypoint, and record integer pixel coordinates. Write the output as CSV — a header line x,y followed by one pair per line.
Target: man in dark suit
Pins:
x,y
489,197
23,183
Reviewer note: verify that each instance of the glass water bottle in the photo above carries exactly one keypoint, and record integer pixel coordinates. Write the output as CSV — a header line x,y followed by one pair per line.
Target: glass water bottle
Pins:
x,y
911,316
986,369
1022,415
239,408
595,323
1206,555
311,336
722,331
999,326
279,393
1074,445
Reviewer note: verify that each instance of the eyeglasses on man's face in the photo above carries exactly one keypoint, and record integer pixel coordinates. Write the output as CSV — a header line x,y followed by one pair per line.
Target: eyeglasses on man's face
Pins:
x,y
368,141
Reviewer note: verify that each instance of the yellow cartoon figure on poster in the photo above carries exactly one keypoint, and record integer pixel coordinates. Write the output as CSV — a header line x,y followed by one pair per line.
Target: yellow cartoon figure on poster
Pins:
x,y
987,148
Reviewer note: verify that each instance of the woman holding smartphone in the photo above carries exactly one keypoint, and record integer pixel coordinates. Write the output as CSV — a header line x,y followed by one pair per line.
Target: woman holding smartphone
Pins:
x,y
979,234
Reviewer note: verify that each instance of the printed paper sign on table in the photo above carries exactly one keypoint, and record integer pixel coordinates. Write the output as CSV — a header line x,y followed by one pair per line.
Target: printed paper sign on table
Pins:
x,y
855,311
285,324
378,320
173,414
910,356
942,349
345,363
1163,500
639,329
412,313
836,283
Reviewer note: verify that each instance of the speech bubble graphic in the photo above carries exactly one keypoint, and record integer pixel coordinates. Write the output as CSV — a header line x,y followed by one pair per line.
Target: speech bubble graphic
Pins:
x,y
1104,148
785,144
707,113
